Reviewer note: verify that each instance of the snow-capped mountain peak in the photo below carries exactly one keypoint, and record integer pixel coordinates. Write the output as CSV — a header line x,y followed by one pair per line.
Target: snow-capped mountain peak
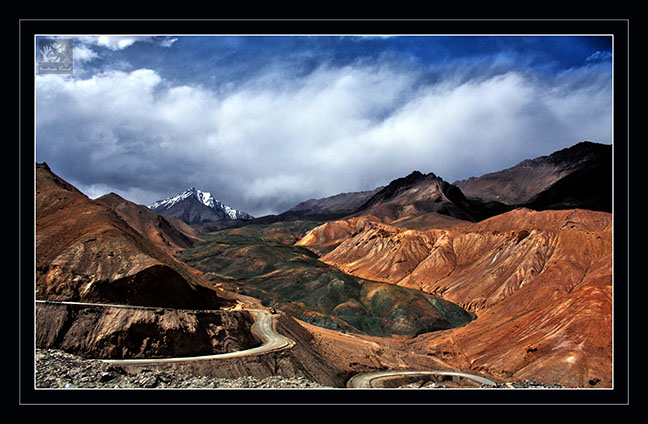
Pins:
x,y
177,205
170,201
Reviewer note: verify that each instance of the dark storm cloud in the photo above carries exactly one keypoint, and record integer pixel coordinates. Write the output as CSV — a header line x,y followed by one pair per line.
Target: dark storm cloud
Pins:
x,y
313,121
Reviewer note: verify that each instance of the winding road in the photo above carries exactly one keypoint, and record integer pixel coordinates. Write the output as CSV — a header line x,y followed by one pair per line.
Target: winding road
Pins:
x,y
369,380
263,328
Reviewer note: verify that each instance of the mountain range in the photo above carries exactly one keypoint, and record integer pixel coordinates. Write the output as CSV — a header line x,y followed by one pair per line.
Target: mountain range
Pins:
x,y
508,274
579,176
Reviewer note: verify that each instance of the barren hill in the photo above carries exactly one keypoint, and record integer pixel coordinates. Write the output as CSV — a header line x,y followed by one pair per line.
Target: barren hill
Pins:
x,y
539,282
86,252
167,232
343,203
579,176
420,194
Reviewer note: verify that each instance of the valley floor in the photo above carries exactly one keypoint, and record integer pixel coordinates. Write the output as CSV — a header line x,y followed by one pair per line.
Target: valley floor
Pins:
x,y
56,369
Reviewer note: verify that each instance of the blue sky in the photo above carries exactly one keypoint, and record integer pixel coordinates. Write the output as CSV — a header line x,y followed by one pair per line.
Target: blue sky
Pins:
x,y
265,122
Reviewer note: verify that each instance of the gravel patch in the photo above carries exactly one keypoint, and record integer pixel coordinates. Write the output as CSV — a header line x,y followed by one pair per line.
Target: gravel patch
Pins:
x,y
526,384
58,369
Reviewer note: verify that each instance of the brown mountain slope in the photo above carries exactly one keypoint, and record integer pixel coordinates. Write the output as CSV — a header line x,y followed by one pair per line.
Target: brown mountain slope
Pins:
x,y
421,194
539,282
523,182
166,232
86,252
343,203
329,235
474,266
429,221
555,329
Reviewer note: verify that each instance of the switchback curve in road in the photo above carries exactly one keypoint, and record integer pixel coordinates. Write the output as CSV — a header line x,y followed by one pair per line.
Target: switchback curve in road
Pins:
x,y
263,328
368,380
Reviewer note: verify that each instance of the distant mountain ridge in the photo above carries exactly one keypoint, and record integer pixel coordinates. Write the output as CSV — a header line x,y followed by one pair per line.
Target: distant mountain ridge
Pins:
x,y
194,206
339,203
579,176
419,194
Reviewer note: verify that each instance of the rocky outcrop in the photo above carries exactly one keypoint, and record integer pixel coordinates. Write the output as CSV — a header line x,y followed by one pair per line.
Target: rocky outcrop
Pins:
x,y
123,332
419,194
329,235
107,332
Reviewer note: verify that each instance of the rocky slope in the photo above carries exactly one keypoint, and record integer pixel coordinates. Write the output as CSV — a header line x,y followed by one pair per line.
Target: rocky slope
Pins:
x,y
166,232
475,267
86,252
124,333
539,282
344,203
557,326
329,235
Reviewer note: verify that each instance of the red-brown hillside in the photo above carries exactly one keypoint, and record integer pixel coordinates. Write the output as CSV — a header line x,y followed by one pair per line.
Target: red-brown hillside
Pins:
x,y
86,252
539,282
167,232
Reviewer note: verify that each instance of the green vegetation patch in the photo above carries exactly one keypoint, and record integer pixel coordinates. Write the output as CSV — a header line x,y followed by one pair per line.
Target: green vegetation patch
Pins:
x,y
267,266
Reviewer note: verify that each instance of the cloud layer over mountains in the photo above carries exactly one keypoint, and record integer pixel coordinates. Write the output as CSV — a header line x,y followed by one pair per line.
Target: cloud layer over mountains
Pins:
x,y
306,127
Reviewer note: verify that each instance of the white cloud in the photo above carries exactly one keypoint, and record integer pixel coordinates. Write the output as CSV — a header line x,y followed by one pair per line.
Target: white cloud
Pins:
x,y
273,142
599,56
117,43
120,42
83,53
168,42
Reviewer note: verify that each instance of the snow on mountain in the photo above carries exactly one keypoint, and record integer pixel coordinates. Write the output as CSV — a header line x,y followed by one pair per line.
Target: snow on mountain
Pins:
x,y
203,197
170,201
206,198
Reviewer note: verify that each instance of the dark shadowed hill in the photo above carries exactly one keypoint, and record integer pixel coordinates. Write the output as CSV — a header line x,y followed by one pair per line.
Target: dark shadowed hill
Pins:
x,y
87,252
419,194
576,177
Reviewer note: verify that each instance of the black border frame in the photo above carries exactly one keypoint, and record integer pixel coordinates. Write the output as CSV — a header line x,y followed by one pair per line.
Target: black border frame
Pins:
x,y
619,395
